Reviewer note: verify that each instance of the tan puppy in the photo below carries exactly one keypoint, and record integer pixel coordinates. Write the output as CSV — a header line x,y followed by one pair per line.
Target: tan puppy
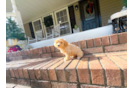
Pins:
x,y
68,49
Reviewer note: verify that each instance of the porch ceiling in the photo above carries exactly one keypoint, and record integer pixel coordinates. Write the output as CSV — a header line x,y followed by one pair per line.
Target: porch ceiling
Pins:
x,y
32,9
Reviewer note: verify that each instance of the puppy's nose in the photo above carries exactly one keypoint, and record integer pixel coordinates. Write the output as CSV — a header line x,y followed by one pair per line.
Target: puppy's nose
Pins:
x,y
58,45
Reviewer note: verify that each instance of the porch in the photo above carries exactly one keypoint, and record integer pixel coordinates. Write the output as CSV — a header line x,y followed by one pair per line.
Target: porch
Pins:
x,y
66,13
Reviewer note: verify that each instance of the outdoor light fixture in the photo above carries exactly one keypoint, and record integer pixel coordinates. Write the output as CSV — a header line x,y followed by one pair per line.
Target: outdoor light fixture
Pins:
x,y
76,7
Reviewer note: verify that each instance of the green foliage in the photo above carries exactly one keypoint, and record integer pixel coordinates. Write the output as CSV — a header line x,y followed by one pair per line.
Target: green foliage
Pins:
x,y
75,26
124,2
13,31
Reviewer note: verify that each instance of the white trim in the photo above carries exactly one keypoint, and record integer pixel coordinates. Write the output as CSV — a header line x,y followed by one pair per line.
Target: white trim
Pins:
x,y
52,14
33,24
67,16
51,11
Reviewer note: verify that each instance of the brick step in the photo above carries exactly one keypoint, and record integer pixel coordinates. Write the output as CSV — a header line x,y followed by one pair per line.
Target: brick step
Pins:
x,y
104,44
23,83
106,69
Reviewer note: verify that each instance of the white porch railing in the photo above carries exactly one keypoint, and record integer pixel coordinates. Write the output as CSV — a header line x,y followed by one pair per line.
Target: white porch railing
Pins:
x,y
92,33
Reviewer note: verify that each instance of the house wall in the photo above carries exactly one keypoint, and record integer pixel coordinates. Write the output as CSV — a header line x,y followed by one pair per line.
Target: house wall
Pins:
x,y
107,8
77,16
27,29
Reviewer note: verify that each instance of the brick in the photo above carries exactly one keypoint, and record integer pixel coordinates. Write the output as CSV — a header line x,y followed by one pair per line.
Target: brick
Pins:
x,y
7,55
61,74
96,71
72,85
8,80
44,49
25,69
123,37
83,44
28,52
12,73
90,43
57,54
46,55
91,86
16,73
35,56
54,84
14,54
31,71
116,53
93,50
22,52
62,85
65,85
18,53
25,52
31,51
40,50
83,72
44,84
76,43
113,74
52,48
36,51
20,73
44,72
52,72
23,82
119,47
37,69
122,64
105,40
124,57
71,71
48,49
11,54
113,39
26,57
56,50
8,73
34,84
13,80
97,42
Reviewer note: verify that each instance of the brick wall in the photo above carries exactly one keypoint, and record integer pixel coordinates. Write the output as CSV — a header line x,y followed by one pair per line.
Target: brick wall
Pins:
x,y
111,43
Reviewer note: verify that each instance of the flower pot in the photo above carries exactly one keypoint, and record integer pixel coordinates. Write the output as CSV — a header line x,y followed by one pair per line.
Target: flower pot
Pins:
x,y
75,30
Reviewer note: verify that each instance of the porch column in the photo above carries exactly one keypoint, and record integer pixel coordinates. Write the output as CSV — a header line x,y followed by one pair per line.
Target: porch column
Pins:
x,y
18,18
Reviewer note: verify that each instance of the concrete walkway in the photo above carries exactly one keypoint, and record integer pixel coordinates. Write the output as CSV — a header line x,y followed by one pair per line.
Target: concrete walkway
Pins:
x,y
9,85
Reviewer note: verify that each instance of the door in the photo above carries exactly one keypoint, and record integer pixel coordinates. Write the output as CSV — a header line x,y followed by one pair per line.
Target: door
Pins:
x,y
31,30
90,15
72,16
62,18
48,23
37,26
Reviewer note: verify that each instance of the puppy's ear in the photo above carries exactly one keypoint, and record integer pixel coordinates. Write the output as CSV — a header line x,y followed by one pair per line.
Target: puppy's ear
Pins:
x,y
65,43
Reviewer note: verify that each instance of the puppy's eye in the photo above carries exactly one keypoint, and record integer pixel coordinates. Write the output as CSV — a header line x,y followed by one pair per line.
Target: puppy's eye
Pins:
x,y
61,42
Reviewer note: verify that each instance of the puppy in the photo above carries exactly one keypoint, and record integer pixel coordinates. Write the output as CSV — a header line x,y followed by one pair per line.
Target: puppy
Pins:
x,y
68,49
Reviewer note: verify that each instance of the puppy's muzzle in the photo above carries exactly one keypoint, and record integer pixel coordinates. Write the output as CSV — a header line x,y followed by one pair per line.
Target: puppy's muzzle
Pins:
x,y
58,44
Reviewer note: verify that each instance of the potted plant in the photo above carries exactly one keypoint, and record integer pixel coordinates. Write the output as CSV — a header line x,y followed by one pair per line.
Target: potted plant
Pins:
x,y
75,29
13,32
128,3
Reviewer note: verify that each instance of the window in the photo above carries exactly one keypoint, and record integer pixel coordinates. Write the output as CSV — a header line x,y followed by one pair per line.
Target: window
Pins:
x,y
62,19
37,25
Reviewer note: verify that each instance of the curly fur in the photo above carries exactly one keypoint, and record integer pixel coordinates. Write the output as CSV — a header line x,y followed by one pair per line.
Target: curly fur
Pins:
x,y
68,49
